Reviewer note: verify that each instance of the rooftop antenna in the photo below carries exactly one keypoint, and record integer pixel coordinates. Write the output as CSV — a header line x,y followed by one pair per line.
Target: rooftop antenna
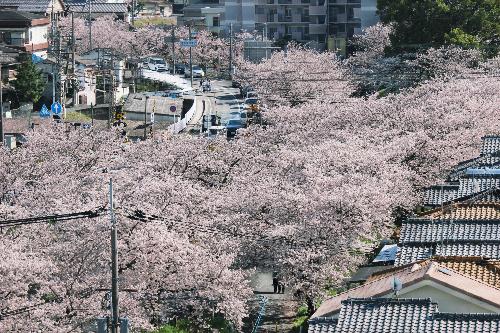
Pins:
x,y
397,285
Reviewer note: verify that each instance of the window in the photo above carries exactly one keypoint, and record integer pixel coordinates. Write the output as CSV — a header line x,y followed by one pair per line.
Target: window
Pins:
x,y
215,21
288,12
31,36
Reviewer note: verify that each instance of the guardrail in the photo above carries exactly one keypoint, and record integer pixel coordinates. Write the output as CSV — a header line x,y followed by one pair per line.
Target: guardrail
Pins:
x,y
180,125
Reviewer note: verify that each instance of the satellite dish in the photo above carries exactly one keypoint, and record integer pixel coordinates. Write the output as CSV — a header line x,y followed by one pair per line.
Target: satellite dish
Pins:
x,y
396,286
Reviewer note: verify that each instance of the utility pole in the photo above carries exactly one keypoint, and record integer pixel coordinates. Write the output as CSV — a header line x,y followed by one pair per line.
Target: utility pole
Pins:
x,y
92,113
111,109
73,46
190,58
133,12
230,49
90,24
1,105
146,118
114,263
173,48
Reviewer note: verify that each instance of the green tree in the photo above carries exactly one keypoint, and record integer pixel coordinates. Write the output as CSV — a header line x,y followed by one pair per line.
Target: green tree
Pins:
x,y
431,23
29,82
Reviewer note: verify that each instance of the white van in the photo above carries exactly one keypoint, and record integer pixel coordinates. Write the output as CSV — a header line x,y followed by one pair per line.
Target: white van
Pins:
x,y
157,64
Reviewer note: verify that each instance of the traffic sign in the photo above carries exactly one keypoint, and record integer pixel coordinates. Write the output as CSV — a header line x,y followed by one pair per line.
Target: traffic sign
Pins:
x,y
44,112
56,108
188,42
152,117
173,108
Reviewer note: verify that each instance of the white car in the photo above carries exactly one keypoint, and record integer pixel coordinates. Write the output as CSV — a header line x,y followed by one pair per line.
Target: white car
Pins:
x,y
157,64
197,72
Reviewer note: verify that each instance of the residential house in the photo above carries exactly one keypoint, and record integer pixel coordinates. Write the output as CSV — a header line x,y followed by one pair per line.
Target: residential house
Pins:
x,y
42,7
155,8
9,58
24,31
108,63
202,16
443,279
119,10
406,315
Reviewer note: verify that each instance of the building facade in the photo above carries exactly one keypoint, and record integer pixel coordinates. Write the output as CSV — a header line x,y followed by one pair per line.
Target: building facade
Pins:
x,y
24,31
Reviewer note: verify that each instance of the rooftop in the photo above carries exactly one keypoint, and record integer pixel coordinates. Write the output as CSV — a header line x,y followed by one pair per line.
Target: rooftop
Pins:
x,y
385,315
409,253
37,6
481,282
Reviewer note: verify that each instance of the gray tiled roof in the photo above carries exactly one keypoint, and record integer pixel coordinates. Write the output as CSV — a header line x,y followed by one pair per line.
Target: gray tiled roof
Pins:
x,y
100,7
491,144
485,161
37,6
409,253
322,325
485,249
465,323
386,315
469,185
438,194
425,230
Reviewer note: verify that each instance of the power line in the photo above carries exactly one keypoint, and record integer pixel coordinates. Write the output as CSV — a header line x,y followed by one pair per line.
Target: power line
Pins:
x,y
54,218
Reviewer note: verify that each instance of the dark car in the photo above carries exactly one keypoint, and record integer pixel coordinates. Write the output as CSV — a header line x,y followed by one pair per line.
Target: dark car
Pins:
x,y
180,68
232,126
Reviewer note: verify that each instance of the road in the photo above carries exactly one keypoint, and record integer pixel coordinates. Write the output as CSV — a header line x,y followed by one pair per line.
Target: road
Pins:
x,y
222,100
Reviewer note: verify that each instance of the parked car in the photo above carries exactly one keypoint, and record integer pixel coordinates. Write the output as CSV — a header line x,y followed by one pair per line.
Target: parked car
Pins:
x,y
244,119
157,64
244,90
232,126
180,68
197,72
251,94
251,101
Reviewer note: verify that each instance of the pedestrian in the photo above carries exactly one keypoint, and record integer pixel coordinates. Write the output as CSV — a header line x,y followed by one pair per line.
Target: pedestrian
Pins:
x,y
275,282
281,287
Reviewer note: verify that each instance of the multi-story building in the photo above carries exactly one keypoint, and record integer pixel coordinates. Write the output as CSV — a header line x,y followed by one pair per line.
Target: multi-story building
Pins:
x,y
24,31
321,24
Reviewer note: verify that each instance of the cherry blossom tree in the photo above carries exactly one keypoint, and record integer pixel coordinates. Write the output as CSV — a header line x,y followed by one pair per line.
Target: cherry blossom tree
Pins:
x,y
297,75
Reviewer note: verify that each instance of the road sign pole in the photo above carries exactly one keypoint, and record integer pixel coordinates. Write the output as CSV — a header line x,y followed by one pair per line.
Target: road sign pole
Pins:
x,y
190,58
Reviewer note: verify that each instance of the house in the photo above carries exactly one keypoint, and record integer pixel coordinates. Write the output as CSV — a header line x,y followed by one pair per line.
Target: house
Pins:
x,y
24,31
119,10
155,8
382,315
42,7
442,279
111,62
9,58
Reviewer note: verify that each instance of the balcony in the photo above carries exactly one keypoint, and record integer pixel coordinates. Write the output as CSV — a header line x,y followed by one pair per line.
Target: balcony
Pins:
x,y
317,10
317,29
345,2
343,18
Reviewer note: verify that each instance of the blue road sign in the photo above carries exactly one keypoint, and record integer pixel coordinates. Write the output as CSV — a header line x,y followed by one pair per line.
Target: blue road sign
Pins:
x,y
173,108
44,112
56,108
188,42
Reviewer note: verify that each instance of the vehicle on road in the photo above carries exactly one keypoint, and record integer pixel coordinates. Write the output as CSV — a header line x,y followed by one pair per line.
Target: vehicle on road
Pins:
x,y
214,131
244,119
252,101
180,69
157,64
251,94
232,126
197,72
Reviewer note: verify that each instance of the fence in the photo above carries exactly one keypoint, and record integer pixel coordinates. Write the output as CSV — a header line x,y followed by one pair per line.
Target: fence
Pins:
x,y
179,126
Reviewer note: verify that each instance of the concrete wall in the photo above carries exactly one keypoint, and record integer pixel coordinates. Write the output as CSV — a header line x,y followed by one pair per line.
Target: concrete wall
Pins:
x,y
448,300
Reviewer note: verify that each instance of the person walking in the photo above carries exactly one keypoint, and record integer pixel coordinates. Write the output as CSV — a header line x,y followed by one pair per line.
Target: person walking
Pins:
x,y
275,282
